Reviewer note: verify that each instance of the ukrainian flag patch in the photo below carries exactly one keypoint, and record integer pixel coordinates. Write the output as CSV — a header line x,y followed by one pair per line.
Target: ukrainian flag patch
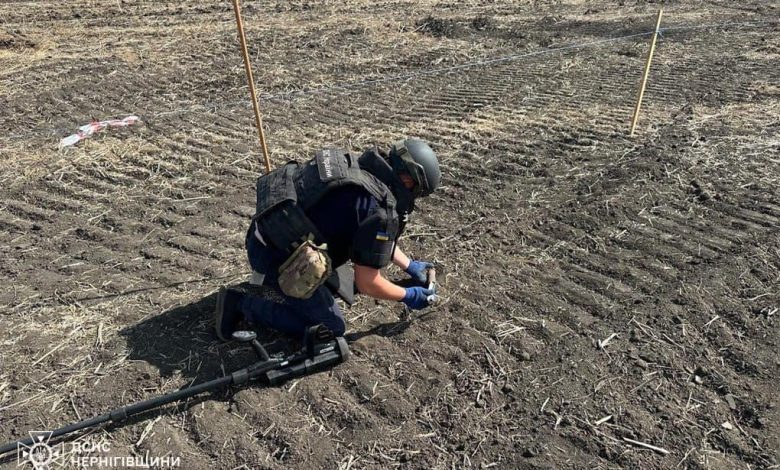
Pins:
x,y
382,236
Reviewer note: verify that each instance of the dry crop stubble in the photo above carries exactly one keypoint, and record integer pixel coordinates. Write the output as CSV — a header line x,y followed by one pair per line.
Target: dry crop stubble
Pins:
x,y
554,232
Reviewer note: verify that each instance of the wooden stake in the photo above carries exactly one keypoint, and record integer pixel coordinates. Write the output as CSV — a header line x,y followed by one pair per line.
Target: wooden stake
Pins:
x,y
643,85
251,80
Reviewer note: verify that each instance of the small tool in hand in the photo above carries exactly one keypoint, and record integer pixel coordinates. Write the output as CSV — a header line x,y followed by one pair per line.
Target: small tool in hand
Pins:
x,y
432,299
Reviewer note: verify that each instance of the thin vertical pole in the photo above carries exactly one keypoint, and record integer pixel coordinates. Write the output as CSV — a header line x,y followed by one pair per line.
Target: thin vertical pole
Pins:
x,y
643,85
251,80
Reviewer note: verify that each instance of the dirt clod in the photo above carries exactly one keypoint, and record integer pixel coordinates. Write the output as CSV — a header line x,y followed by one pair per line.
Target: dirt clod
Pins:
x,y
524,356
731,401
530,452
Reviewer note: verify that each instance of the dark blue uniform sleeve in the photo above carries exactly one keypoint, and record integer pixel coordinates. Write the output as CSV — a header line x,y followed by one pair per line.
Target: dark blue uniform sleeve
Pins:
x,y
374,240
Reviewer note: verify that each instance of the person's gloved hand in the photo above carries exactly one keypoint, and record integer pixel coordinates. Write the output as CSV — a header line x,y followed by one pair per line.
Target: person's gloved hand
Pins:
x,y
417,298
419,271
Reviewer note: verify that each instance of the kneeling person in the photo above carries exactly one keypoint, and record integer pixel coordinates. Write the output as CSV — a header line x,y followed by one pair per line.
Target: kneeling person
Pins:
x,y
312,218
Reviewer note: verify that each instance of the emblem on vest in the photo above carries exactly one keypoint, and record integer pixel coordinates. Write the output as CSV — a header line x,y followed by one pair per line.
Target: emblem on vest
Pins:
x,y
327,165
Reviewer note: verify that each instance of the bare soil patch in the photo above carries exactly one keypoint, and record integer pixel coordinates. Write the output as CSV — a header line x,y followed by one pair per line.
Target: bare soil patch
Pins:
x,y
598,290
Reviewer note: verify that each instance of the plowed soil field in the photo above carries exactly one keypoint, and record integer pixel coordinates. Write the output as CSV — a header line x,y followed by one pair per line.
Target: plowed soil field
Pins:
x,y
600,291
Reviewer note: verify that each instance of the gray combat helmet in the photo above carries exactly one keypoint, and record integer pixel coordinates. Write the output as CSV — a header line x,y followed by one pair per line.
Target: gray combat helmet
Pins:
x,y
415,158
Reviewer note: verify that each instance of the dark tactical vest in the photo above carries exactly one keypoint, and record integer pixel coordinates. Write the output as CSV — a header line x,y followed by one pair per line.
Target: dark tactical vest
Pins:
x,y
285,194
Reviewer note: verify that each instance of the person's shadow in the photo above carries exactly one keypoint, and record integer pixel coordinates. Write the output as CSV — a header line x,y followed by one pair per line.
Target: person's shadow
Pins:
x,y
182,341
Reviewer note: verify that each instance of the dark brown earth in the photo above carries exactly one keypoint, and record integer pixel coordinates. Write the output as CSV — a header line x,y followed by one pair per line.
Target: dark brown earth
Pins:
x,y
596,287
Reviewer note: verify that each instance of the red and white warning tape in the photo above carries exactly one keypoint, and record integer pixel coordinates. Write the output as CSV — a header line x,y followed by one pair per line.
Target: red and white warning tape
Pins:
x,y
95,126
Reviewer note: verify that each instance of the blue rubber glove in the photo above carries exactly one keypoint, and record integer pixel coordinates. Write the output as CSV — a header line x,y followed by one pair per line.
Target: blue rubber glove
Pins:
x,y
419,271
416,298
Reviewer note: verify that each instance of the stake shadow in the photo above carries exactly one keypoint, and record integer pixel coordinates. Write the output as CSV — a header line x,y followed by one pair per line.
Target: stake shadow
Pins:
x,y
387,330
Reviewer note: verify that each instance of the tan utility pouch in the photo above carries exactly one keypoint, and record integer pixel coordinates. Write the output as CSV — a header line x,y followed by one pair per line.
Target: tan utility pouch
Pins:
x,y
307,268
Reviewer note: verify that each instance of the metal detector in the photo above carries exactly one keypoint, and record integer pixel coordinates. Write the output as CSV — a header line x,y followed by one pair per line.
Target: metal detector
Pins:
x,y
321,351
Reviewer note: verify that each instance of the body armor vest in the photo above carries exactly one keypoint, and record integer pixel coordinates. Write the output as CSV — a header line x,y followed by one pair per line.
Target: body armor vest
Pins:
x,y
285,194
